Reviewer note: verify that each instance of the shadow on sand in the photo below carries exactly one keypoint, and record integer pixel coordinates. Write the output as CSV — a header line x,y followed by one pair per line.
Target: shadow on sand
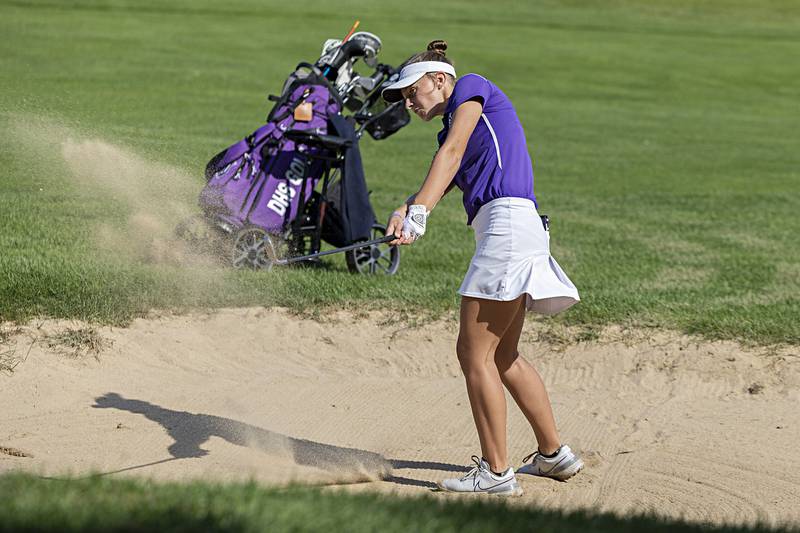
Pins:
x,y
191,430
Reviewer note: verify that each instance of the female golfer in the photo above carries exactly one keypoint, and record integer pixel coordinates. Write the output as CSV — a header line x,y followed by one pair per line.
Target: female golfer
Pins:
x,y
483,152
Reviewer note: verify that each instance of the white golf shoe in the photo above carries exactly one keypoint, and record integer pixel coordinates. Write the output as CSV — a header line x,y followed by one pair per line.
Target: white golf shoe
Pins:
x,y
481,480
563,466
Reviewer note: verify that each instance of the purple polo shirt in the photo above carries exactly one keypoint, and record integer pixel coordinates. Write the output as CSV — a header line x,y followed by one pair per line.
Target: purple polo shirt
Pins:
x,y
496,163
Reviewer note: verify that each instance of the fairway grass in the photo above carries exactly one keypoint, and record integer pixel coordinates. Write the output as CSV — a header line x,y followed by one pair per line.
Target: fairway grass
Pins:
x,y
98,503
664,139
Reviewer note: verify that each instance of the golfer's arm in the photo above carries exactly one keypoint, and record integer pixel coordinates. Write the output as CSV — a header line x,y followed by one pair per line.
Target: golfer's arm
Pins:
x,y
412,199
448,158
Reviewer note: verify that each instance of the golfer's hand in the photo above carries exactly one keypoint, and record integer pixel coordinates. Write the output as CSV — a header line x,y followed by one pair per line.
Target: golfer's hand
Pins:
x,y
395,226
415,222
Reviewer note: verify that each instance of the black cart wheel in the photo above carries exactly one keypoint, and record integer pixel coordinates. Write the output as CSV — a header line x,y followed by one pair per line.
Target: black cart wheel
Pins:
x,y
253,248
374,259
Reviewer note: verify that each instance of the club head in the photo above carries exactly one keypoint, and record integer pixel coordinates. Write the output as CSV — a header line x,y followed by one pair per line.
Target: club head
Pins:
x,y
365,83
372,46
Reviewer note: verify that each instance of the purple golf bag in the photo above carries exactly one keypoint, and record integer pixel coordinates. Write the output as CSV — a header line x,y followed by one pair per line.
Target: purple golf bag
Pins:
x,y
298,180
265,178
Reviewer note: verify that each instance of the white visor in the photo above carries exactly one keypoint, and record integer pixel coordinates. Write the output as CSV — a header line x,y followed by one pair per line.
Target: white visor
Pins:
x,y
411,73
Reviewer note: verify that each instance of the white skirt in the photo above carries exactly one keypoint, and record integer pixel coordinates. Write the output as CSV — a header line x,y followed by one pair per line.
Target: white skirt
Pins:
x,y
512,257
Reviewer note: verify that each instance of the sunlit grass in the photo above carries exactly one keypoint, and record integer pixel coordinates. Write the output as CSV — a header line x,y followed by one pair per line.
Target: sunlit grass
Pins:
x,y
664,141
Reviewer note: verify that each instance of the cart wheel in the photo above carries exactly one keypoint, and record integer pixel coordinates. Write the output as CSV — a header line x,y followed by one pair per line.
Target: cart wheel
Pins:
x,y
253,248
374,259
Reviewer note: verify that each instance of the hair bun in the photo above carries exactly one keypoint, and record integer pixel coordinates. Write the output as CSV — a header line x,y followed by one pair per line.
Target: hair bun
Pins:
x,y
438,46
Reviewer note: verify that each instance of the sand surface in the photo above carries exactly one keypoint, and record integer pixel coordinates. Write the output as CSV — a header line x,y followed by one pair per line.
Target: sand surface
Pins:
x,y
666,423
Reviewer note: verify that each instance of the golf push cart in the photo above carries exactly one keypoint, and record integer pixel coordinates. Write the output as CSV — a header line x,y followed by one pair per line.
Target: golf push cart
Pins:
x,y
276,195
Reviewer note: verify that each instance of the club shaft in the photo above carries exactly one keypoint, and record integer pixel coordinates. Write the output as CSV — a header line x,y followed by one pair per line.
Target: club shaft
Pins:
x,y
354,246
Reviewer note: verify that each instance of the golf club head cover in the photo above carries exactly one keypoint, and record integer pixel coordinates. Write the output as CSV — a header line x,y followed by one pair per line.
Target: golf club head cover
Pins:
x,y
415,221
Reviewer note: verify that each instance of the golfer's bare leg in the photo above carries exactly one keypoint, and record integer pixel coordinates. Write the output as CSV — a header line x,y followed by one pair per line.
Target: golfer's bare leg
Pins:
x,y
526,386
483,324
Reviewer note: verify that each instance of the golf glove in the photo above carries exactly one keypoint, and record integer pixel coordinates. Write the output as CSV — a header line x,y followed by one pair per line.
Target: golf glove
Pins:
x,y
414,223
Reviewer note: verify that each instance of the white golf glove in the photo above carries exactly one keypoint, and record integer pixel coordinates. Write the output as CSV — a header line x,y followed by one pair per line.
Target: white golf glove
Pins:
x,y
414,223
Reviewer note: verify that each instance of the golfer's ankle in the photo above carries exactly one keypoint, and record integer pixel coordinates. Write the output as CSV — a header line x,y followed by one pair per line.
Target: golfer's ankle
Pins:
x,y
549,451
495,468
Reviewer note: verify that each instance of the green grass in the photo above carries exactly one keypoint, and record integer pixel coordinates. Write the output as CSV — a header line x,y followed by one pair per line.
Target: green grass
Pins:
x,y
92,504
664,138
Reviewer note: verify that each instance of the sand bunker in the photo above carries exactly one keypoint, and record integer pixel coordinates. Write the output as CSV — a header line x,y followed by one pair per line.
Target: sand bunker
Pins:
x,y
666,424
